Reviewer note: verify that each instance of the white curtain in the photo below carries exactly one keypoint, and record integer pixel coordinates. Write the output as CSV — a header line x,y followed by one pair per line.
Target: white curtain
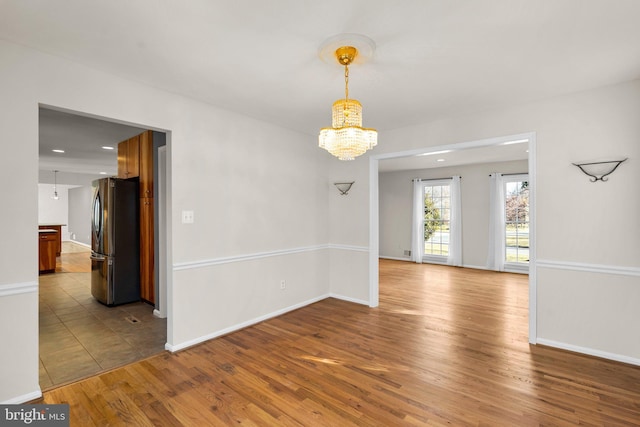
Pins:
x,y
417,229
455,224
495,258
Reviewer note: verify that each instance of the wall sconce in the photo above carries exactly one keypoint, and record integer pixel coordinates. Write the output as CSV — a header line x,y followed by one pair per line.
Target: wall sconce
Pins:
x,y
343,187
598,171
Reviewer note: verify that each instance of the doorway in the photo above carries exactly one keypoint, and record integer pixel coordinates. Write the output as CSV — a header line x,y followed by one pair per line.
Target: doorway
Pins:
x,y
374,210
80,337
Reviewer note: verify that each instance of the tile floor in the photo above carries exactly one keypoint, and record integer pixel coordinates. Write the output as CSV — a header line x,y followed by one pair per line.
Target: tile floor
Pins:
x,y
80,337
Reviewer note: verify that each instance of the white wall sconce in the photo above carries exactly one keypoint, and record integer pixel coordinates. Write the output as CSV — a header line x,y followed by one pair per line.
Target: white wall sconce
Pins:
x,y
598,171
343,187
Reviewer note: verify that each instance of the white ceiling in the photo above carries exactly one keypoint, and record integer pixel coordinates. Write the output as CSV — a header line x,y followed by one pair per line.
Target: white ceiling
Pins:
x,y
433,58
82,139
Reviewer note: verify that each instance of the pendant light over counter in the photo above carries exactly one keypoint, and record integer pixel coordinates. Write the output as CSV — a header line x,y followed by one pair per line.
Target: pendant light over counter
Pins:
x,y
55,185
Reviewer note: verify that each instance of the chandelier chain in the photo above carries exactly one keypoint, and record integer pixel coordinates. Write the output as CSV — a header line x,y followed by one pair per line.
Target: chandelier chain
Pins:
x,y
346,82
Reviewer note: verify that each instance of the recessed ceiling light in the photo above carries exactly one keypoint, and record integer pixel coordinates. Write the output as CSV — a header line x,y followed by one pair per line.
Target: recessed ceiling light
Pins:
x,y
440,160
518,141
434,152
58,150
106,147
103,173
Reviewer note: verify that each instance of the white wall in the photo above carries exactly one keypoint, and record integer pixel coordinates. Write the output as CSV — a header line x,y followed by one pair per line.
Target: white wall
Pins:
x,y
52,211
259,193
266,210
80,214
581,226
396,194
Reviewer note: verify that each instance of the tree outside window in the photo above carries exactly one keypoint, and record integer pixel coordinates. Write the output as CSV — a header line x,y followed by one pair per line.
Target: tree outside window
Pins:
x,y
517,221
437,213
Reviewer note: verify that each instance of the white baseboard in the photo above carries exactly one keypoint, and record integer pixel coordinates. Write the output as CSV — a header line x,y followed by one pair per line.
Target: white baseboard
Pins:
x,y
589,351
181,346
395,258
349,299
475,267
157,314
79,243
24,398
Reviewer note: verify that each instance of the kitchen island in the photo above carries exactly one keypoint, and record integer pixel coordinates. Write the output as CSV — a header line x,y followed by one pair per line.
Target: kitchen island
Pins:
x,y
58,228
47,244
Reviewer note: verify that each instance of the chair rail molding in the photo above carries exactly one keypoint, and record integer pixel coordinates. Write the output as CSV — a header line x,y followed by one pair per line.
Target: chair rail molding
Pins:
x,y
587,267
18,288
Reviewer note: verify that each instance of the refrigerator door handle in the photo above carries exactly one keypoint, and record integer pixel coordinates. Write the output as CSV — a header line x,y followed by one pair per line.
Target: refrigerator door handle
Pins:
x,y
97,257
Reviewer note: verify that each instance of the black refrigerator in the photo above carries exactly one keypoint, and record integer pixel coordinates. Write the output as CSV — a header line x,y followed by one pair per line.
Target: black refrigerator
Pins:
x,y
115,241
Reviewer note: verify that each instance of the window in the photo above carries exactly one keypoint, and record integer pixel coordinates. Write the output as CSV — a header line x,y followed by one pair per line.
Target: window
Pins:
x,y
437,216
516,209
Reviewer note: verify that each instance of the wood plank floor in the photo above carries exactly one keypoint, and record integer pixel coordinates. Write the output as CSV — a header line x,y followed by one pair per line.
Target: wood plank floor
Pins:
x,y
446,346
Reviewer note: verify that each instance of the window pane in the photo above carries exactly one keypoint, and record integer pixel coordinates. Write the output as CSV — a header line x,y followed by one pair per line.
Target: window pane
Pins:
x,y
517,221
437,214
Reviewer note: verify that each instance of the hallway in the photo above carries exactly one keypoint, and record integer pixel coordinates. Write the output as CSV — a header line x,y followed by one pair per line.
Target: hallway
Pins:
x,y
79,337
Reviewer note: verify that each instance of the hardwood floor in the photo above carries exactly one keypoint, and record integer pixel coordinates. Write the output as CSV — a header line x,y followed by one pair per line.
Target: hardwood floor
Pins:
x,y
446,346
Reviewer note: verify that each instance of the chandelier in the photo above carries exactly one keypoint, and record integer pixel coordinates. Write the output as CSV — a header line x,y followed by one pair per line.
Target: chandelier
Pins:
x,y
346,138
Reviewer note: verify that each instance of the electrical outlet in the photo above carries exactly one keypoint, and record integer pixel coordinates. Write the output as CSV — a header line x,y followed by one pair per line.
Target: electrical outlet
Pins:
x,y
407,252
283,284
187,217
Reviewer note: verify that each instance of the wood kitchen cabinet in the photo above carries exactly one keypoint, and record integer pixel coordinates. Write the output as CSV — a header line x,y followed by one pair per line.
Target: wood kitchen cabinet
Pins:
x,y
135,160
58,228
129,158
146,164
47,246
147,282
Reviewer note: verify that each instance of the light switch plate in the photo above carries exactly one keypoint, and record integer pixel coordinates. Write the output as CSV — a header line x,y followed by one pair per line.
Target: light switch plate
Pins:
x,y
187,217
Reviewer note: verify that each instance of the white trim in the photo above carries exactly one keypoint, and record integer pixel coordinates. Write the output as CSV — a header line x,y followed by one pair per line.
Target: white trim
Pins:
x,y
533,282
374,206
590,268
514,267
589,351
434,259
79,243
207,337
472,267
259,255
18,288
348,247
24,398
161,197
515,271
374,230
475,267
247,257
349,299
395,258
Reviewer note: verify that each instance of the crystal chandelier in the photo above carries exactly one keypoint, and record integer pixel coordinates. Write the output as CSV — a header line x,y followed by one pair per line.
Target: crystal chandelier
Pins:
x,y
347,139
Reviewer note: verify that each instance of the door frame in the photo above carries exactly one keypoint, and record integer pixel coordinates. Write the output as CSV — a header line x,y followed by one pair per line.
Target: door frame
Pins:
x,y
161,308
164,233
374,226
